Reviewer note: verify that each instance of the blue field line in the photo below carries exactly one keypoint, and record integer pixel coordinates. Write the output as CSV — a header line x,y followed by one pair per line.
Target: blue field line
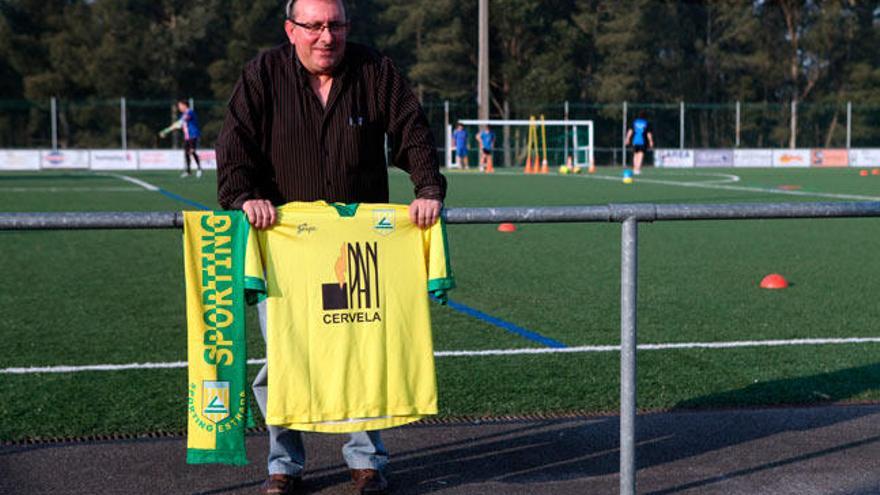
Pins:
x,y
506,325
180,198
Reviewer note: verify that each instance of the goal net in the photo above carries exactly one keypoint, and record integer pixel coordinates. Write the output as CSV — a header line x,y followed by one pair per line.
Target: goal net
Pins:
x,y
555,140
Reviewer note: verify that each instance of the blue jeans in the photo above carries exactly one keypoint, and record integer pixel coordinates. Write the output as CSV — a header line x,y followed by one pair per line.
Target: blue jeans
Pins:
x,y
364,450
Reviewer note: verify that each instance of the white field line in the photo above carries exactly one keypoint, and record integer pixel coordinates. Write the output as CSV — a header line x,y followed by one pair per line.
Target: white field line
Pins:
x,y
711,184
765,190
478,353
145,185
67,189
724,178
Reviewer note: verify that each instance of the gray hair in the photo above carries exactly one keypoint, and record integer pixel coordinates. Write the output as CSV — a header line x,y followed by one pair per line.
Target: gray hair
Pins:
x,y
291,5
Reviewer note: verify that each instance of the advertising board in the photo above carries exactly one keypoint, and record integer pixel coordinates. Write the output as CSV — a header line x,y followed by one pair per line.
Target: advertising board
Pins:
x,y
674,158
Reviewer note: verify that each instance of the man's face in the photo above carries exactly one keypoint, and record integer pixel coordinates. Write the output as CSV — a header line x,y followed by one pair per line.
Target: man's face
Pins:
x,y
321,50
181,107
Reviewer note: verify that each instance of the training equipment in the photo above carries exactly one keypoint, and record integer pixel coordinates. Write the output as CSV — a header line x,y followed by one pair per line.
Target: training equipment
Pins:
x,y
349,332
532,155
214,249
506,227
863,173
774,281
563,170
563,138
627,176
876,171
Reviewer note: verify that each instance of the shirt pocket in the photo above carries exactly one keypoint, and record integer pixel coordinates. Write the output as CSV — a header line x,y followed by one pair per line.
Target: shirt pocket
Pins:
x,y
369,144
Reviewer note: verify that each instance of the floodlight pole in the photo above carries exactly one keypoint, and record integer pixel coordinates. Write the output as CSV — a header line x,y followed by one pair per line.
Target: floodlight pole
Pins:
x,y
53,105
565,133
623,137
483,64
123,123
508,158
447,145
848,124
738,126
681,125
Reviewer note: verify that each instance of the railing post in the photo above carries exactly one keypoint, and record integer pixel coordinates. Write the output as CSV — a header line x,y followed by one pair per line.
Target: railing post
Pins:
x,y
628,284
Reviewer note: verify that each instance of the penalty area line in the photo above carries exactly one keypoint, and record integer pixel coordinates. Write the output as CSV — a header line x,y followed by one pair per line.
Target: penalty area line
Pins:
x,y
33,370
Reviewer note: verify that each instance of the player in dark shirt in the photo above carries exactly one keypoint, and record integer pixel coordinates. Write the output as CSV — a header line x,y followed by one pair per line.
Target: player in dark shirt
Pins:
x,y
641,137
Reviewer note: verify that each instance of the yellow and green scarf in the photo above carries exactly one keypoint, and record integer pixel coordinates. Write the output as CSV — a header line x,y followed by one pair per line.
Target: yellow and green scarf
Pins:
x,y
217,403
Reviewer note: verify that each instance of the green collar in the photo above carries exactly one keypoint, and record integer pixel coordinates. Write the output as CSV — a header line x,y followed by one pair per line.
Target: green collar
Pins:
x,y
346,210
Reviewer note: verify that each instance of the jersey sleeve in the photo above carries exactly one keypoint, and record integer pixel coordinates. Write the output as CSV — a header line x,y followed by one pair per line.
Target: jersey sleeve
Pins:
x,y
436,246
254,274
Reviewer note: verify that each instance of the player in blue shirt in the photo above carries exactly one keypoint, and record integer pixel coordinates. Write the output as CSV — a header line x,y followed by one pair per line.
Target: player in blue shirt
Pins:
x,y
191,134
487,142
460,138
641,137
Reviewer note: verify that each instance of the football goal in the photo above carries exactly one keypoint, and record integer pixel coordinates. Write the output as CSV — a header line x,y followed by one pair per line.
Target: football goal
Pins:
x,y
556,141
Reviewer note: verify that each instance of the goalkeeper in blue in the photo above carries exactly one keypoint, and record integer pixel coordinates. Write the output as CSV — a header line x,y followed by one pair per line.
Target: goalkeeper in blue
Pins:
x,y
189,124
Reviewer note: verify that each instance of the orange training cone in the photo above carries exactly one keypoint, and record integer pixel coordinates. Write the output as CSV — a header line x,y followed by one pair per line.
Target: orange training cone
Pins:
x,y
876,171
529,164
592,168
506,227
544,167
774,281
863,173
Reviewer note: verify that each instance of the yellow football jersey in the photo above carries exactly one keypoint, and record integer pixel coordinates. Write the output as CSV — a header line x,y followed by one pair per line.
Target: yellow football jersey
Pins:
x,y
349,332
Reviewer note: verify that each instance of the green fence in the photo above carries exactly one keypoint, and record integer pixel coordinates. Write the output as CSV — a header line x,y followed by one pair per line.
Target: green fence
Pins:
x,y
125,123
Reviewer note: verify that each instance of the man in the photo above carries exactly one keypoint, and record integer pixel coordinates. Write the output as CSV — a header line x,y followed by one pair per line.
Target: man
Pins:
x,y
639,134
460,139
306,122
191,134
487,141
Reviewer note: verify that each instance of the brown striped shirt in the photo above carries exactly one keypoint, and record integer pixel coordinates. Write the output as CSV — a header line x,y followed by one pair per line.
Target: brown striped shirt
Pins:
x,y
279,143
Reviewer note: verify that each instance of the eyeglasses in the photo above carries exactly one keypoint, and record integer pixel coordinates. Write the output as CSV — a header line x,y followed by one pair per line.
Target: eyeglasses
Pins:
x,y
316,28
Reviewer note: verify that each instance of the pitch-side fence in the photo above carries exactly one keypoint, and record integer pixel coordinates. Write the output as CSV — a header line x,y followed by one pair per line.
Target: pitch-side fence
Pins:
x,y
629,215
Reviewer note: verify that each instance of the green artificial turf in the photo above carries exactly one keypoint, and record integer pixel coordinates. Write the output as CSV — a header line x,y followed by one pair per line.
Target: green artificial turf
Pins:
x,y
94,297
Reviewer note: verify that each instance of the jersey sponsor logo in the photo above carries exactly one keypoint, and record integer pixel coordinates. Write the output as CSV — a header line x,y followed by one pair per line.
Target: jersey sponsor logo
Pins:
x,y
383,221
305,228
355,294
215,398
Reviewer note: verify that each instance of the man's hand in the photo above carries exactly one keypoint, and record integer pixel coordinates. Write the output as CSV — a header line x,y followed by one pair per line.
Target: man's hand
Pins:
x,y
424,212
260,213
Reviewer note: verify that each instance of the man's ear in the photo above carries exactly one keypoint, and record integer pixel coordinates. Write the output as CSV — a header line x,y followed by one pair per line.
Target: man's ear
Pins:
x,y
288,28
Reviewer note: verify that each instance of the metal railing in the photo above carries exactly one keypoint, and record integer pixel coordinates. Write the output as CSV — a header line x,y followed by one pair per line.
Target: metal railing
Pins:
x,y
629,215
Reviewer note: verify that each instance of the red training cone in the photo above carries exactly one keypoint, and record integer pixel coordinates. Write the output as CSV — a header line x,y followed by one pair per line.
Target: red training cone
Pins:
x,y
506,227
863,173
774,281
